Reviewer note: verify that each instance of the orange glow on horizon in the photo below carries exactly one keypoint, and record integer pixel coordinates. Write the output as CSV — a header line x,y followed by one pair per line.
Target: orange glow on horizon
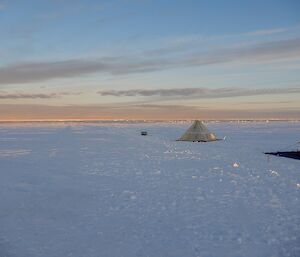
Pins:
x,y
26,113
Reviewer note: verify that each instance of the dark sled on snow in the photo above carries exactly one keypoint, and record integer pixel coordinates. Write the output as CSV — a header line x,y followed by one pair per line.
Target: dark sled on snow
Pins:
x,y
291,154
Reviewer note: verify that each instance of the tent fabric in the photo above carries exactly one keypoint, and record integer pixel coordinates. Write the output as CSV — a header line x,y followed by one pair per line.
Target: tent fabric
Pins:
x,y
198,132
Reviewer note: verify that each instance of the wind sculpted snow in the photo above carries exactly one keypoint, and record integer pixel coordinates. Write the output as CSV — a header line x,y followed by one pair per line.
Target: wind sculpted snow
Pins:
x,y
101,189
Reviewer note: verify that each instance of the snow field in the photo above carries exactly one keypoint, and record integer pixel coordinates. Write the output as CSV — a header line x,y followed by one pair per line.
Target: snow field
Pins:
x,y
100,189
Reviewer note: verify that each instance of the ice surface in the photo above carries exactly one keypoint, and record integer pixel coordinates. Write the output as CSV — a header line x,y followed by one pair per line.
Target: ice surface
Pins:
x,y
91,190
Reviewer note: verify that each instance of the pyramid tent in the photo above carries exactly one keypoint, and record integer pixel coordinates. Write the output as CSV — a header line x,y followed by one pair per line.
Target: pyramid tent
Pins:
x,y
198,132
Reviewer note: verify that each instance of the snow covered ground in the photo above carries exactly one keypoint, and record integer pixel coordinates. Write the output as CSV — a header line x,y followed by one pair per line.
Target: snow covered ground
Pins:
x,y
93,190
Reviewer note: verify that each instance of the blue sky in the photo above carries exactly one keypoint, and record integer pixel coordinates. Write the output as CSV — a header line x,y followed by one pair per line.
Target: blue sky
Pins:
x,y
206,59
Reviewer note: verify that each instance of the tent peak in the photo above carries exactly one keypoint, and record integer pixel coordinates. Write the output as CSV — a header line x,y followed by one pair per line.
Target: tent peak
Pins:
x,y
198,132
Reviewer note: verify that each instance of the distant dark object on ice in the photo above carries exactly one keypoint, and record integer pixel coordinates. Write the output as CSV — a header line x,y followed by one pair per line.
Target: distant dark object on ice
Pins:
x,y
144,133
290,154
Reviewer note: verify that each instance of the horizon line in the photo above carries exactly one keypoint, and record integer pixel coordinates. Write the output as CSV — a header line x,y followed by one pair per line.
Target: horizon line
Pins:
x,y
142,120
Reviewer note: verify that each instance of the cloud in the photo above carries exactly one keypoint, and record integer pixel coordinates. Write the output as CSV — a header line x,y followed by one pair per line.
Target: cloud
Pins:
x,y
180,44
31,72
264,32
50,16
199,92
34,96
170,49
282,49
27,96
2,6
